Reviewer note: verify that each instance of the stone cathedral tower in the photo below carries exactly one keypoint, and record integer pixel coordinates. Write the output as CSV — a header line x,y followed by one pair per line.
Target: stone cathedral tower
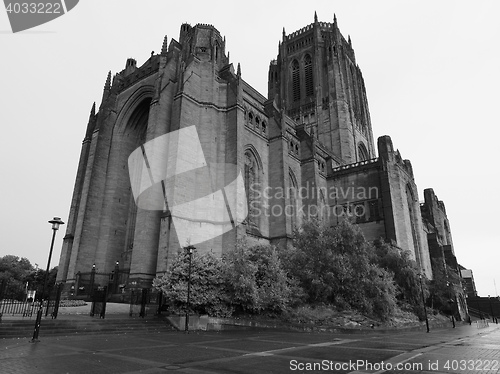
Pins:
x,y
316,81
305,151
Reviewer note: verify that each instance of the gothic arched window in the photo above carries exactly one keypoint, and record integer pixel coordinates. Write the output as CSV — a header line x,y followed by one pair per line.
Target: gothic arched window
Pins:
x,y
292,191
363,154
308,70
296,80
252,189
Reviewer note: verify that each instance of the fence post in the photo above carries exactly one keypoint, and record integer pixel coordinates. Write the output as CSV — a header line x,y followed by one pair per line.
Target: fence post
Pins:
x,y
57,301
144,300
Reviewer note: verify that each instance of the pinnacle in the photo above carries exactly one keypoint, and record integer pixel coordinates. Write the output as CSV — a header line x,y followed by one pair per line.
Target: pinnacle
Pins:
x,y
107,85
164,46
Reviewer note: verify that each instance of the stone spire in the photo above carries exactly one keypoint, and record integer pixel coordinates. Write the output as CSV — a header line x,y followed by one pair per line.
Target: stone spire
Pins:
x,y
315,17
91,123
238,71
107,85
164,47
107,90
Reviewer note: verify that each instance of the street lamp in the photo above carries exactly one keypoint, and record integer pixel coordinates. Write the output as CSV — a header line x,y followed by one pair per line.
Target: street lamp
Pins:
x,y
92,280
189,249
56,222
451,304
423,302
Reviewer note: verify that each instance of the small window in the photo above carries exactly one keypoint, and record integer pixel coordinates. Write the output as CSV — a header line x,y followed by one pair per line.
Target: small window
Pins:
x,y
295,80
308,70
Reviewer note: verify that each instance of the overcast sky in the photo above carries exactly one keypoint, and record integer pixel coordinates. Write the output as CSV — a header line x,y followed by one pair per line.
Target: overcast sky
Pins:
x,y
431,69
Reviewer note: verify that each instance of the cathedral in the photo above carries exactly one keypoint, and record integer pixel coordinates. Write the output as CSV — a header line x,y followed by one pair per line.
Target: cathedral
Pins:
x,y
305,150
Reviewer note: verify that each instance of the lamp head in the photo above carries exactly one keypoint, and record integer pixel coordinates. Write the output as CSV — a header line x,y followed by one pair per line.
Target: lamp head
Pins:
x,y
56,222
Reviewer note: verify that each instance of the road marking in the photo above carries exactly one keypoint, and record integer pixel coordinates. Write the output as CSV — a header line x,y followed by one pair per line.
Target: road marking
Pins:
x,y
326,344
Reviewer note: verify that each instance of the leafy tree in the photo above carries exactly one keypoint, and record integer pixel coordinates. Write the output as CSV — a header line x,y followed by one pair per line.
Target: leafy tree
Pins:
x,y
406,275
442,287
256,280
14,271
246,280
207,293
36,279
333,265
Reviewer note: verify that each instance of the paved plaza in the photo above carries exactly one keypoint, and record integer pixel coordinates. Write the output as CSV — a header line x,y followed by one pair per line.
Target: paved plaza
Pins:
x,y
465,349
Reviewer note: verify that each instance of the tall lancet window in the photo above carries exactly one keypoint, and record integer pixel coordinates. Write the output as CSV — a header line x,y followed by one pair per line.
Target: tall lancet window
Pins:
x,y
252,189
308,70
293,201
296,80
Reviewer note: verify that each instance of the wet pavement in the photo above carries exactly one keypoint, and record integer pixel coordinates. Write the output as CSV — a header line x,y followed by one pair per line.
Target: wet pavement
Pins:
x,y
465,349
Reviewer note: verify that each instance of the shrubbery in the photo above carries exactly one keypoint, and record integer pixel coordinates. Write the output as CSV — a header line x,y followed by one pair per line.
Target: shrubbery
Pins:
x,y
247,280
331,267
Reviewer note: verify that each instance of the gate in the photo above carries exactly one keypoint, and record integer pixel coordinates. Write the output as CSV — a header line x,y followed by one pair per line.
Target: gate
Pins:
x,y
99,297
145,302
54,301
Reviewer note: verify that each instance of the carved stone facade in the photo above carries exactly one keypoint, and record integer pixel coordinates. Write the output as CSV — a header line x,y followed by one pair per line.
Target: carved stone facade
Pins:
x,y
307,150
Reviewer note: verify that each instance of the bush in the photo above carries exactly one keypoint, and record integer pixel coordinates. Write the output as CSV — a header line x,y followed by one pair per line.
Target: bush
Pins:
x,y
207,293
256,280
72,303
333,266
246,280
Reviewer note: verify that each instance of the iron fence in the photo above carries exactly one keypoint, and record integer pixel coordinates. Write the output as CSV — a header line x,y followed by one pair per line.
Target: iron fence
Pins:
x,y
16,307
87,282
99,298
145,301
9,305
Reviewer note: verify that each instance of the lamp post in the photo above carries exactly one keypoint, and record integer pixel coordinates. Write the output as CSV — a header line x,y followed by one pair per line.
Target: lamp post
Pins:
x,y
451,304
56,222
189,249
115,276
423,301
92,280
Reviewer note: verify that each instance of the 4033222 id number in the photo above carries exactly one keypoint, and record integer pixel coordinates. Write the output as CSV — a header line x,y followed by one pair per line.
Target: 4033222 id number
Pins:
x,y
34,8
473,365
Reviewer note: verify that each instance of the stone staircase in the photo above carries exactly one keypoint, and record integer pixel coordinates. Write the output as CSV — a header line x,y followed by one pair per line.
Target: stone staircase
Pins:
x,y
78,325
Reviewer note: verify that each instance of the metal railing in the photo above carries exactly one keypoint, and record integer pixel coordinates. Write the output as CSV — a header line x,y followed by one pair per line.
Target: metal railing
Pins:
x,y
20,308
